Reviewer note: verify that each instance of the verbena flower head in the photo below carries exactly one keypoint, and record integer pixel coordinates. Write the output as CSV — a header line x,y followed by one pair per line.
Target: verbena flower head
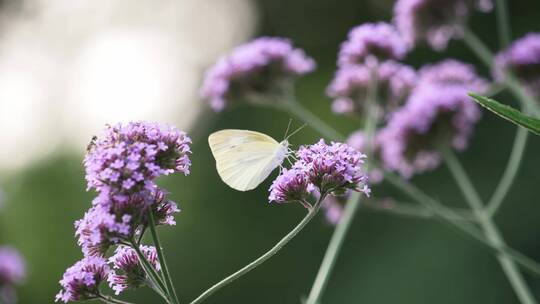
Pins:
x,y
451,72
258,67
111,220
333,168
129,157
290,185
435,117
523,59
435,21
371,43
81,281
100,228
127,262
358,141
12,266
351,84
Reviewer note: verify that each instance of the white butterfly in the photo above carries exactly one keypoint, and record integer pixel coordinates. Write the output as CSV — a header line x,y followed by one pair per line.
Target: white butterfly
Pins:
x,y
244,158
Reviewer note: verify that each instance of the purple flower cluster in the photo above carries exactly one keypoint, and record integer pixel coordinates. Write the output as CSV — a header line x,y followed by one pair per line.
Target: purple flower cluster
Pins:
x,y
254,68
434,21
523,59
438,114
351,84
122,167
128,158
81,281
127,261
370,43
12,266
321,168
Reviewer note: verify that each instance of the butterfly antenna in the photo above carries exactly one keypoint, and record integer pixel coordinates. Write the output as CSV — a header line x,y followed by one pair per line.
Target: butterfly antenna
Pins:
x,y
288,126
296,131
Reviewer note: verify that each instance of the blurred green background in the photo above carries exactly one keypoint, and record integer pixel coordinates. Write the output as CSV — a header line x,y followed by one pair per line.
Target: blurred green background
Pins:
x,y
385,259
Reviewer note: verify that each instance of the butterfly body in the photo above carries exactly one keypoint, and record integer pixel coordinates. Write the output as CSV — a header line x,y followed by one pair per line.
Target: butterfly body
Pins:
x,y
244,158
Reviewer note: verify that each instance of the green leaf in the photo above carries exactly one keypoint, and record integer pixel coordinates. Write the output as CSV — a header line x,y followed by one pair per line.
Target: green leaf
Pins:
x,y
509,113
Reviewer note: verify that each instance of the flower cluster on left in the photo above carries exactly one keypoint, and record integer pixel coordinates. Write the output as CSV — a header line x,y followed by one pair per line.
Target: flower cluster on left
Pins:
x,y
122,166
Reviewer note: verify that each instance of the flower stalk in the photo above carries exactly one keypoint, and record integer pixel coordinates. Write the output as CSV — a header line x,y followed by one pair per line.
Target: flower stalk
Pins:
x,y
171,291
154,277
286,239
488,226
352,205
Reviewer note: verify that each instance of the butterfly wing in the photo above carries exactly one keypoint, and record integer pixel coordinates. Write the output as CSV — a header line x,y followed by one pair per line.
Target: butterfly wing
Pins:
x,y
244,159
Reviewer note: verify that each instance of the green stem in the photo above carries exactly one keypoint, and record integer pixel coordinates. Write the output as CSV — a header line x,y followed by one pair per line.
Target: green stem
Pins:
x,y
490,229
334,247
446,216
338,237
151,272
164,268
315,122
503,24
111,300
414,210
286,239
510,172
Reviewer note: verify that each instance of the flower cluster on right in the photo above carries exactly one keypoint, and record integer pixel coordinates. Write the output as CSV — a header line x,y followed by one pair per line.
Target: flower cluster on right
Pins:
x,y
421,111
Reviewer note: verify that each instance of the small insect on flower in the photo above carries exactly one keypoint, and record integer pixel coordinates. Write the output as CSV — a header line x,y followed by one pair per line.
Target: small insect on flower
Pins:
x,y
91,144
244,159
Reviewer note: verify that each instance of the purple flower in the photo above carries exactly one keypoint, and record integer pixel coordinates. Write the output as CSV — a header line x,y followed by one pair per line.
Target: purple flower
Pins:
x,y
370,43
125,259
128,158
435,117
357,140
435,21
81,281
333,207
523,59
111,219
257,67
163,209
290,185
351,84
333,168
451,72
12,266
100,228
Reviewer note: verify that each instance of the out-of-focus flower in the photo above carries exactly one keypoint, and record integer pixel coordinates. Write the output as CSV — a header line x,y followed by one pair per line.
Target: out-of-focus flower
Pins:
x,y
434,118
523,59
435,21
451,72
128,158
81,281
290,185
262,66
351,84
12,266
333,168
333,207
357,140
133,275
371,43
